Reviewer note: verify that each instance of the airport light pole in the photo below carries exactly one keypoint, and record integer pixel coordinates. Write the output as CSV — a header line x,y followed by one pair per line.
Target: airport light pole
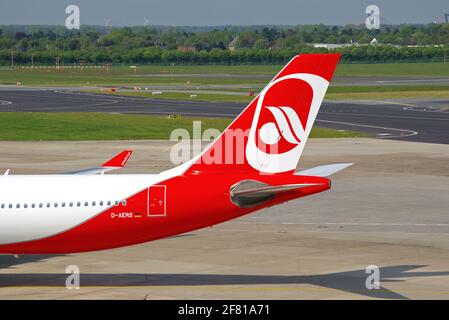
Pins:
x,y
444,54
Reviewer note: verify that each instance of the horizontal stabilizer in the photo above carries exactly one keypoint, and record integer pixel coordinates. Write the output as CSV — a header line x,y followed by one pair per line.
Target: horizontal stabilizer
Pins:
x,y
119,160
324,171
116,162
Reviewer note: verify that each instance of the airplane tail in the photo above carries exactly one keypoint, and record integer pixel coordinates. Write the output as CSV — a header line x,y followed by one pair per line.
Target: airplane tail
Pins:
x,y
270,134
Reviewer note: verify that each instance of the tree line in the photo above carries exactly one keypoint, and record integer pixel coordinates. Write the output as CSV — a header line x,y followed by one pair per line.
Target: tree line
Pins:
x,y
227,45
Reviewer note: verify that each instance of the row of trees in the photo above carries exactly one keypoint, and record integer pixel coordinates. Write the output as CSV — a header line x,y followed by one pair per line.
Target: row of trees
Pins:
x,y
249,44
365,54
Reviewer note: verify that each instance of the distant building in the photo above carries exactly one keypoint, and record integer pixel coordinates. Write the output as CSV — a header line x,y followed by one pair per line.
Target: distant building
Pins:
x,y
187,49
233,44
374,42
423,46
331,45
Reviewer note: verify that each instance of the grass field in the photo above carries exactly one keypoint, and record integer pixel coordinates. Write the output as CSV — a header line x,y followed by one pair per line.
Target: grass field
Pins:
x,y
182,96
162,75
333,93
99,126
117,76
394,69
192,76
406,94
387,92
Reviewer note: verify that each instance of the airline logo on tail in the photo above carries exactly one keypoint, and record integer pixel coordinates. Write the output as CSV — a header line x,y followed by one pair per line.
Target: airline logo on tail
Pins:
x,y
284,116
268,137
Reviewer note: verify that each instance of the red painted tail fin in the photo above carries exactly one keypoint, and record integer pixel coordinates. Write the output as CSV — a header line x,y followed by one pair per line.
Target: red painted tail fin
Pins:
x,y
270,134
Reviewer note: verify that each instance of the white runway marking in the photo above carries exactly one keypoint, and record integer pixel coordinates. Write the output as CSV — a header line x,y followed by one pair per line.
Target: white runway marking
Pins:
x,y
410,132
106,101
425,110
4,102
386,116
412,80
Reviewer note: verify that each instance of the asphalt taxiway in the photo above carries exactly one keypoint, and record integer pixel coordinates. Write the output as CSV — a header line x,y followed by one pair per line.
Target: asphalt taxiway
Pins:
x,y
414,120
390,209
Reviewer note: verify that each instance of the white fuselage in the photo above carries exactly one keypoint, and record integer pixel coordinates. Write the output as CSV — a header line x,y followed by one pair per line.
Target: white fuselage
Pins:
x,y
38,206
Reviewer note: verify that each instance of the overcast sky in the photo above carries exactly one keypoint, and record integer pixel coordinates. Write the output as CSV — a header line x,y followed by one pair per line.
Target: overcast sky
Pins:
x,y
220,12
